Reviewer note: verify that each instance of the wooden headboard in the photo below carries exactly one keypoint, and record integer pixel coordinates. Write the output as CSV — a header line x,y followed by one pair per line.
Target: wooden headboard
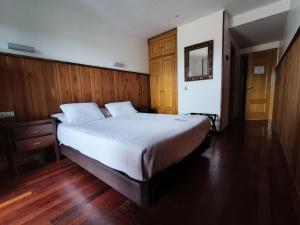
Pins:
x,y
34,88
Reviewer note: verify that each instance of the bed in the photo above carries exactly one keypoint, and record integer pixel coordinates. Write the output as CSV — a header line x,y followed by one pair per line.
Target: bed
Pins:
x,y
133,153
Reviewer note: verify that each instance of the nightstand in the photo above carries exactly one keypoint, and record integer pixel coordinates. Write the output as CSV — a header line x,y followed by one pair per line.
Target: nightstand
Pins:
x,y
25,137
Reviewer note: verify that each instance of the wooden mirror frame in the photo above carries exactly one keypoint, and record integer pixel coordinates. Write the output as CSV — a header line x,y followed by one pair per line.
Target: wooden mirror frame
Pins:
x,y
210,46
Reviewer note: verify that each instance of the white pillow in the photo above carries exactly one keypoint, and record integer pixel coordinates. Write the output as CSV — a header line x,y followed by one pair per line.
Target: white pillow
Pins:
x,y
81,112
120,108
61,117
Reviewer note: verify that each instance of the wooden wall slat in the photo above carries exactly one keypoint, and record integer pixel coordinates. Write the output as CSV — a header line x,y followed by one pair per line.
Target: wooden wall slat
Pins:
x,y
124,84
76,88
35,88
51,87
286,115
34,74
145,91
86,84
64,83
6,98
139,90
133,89
20,88
128,90
96,86
119,88
107,86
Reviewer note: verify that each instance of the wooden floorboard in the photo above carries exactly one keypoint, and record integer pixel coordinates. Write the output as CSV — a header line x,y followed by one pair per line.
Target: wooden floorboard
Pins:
x,y
242,179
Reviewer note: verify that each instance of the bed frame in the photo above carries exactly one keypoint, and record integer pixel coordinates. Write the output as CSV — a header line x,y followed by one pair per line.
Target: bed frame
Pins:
x,y
143,193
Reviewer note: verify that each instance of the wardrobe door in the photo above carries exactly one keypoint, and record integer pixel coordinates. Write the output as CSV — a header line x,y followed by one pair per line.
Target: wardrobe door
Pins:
x,y
155,48
169,85
168,45
162,63
155,84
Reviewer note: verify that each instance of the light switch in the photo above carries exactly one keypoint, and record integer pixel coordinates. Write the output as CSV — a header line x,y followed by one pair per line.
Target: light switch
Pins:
x,y
186,88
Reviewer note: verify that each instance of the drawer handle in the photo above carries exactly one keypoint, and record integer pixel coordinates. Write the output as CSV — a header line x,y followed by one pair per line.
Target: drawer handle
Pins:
x,y
35,131
37,143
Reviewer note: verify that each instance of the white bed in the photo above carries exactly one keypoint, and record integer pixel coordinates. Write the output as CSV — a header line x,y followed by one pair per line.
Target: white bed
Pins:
x,y
138,144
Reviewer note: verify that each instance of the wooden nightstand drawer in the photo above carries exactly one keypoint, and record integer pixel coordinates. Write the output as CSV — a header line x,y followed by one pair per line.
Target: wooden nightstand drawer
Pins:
x,y
35,143
22,137
21,133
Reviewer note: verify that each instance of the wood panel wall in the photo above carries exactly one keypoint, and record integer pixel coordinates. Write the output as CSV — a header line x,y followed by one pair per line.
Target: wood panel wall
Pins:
x,y
286,114
35,88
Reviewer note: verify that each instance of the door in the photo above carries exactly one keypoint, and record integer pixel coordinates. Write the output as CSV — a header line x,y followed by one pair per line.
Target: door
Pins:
x,y
155,83
261,66
168,84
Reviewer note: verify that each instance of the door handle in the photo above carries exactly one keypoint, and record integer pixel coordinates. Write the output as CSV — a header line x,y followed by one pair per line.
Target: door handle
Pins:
x,y
249,89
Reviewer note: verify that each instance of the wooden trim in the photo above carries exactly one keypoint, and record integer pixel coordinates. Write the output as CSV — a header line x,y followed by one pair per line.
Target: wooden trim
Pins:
x,y
288,48
176,73
67,62
222,73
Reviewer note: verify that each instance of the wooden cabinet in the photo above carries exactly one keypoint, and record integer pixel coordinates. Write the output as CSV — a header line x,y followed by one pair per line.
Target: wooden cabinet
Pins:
x,y
155,48
168,45
30,136
163,72
155,83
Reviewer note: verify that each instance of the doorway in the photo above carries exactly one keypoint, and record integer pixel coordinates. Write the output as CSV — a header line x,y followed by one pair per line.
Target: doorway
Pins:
x,y
260,80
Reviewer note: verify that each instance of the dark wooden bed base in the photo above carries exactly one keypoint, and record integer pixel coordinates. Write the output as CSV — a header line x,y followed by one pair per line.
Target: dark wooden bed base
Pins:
x,y
143,193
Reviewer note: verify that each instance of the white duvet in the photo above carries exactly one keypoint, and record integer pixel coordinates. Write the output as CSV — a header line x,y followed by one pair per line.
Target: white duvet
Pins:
x,y
139,144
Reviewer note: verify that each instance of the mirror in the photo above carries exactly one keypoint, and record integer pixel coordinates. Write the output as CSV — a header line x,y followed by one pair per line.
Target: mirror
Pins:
x,y
198,61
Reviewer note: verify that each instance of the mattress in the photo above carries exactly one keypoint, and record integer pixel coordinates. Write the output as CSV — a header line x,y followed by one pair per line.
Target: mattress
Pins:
x,y
139,144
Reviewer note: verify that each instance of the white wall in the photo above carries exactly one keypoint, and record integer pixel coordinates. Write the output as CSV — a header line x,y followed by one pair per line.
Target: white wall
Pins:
x,y
205,95
292,24
261,12
60,30
225,101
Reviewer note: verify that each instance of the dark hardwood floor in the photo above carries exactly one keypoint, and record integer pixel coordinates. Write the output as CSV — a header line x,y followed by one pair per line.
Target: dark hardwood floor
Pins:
x,y
241,179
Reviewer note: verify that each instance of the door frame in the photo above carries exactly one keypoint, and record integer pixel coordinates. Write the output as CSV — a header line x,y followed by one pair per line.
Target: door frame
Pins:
x,y
233,91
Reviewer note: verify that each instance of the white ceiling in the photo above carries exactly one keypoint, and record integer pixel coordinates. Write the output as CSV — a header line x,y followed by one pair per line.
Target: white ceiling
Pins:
x,y
147,18
261,31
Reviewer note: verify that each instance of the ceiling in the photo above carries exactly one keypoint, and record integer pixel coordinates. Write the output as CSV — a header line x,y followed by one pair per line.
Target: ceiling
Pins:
x,y
261,31
147,18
